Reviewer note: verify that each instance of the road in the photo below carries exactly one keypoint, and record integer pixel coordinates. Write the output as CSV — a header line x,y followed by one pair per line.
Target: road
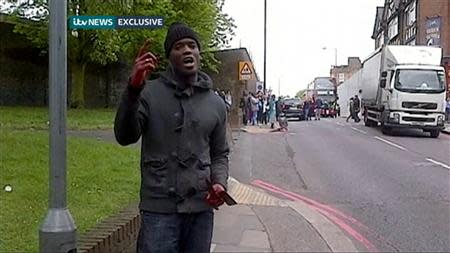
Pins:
x,y
390,193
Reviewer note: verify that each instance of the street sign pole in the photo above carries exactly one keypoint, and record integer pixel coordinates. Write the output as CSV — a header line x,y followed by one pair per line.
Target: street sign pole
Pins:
x,y
57,233
265,43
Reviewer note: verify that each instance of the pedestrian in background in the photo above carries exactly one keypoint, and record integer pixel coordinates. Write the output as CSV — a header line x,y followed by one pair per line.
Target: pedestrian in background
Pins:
x,y
351,108
278,107
249,108
243,107
318,105
184,149
254,107
260,108
306,108
357,105
272,111
228,100
264,109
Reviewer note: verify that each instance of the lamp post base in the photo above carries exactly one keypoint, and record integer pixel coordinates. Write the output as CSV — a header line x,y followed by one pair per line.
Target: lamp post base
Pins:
x,y
58,232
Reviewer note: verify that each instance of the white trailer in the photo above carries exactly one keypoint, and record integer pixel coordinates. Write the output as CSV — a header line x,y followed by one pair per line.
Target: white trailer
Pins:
x,y
401,87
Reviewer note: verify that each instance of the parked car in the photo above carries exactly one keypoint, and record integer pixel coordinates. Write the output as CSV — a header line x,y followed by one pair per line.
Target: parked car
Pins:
x,y
293,108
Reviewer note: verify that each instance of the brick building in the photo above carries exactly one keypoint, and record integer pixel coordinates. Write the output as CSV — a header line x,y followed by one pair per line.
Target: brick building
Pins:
x,y
415,22
343,72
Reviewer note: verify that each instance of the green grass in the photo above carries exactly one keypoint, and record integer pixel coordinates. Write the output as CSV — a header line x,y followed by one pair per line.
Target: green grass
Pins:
x,y
20,117
102,178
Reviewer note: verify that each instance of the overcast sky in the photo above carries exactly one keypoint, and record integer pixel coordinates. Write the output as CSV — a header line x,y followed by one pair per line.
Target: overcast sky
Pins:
x,y
296,33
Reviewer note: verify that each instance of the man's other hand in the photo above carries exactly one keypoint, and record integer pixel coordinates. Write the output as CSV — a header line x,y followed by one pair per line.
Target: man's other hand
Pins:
x,y
214,197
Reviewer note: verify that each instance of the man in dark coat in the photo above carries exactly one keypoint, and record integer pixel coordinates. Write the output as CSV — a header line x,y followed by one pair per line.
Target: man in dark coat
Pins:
x,y
184,152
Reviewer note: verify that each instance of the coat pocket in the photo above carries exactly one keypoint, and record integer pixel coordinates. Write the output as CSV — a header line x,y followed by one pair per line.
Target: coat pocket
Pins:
x,y
155,177
204,175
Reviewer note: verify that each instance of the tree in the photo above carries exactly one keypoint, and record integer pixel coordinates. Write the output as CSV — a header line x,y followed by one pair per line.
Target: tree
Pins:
x,y
102,47
301,93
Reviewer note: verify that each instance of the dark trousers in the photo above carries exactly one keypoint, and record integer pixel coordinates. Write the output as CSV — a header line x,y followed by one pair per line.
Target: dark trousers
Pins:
x,y
260,116
265,118
173,233
350,116
306,112
357,119
354,116
244,118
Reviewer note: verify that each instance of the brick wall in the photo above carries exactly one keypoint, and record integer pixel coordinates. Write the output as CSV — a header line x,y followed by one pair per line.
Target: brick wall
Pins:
x,y
227,79
116,234
354,64
433,8
24,75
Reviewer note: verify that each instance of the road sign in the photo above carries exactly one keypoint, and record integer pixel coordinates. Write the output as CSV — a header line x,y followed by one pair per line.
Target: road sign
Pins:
x,y
245,70
259,86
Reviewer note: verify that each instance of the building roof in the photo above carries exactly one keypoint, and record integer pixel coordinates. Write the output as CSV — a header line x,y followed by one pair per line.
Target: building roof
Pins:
x,y
378,20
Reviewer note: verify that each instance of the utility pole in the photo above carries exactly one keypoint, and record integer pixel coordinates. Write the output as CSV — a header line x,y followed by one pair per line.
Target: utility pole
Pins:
x,y
57,233
279,87
265,43
335,57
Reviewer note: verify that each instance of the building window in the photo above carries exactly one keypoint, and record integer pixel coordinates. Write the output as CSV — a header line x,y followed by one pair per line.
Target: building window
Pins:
x,y
391,8
411,14
411,32
393,28
381,39
341,78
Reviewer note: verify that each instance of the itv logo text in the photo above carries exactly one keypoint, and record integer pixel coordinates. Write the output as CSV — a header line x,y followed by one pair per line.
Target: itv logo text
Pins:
x,y
115,22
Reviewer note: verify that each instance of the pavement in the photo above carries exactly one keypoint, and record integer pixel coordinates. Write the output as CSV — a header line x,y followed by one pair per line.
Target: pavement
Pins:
x,y
262,222
261,129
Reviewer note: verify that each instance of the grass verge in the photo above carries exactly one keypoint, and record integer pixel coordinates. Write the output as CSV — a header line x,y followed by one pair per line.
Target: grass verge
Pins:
x,y
102,178
25,118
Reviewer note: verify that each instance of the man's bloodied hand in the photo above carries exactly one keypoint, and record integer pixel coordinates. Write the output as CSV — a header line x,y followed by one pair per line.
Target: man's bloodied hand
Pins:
x,y
215,196
144,64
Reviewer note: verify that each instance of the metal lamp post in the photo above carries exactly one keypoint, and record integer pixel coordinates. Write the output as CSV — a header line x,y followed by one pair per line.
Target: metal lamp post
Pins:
x,y
265,42
57,233
335,55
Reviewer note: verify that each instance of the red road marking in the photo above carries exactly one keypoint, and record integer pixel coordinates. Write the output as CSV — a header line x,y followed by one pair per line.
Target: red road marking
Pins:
x,y
325,210
313,203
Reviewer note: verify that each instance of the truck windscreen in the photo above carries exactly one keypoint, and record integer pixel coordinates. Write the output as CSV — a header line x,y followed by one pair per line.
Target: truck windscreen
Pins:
x,y
420,80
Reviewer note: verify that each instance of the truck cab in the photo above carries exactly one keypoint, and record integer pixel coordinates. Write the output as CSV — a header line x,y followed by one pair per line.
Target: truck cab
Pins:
x,y
404,87
414,97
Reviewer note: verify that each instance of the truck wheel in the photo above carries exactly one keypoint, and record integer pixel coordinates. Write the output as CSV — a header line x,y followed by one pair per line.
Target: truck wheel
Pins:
x,y
434,133
386,130
370,123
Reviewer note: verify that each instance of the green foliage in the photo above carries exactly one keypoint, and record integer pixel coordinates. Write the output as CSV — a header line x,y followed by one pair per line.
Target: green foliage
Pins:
x,y
214,27
300,93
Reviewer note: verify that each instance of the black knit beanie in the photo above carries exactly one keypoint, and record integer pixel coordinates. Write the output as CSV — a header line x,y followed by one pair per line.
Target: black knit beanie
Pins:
x,y
176,32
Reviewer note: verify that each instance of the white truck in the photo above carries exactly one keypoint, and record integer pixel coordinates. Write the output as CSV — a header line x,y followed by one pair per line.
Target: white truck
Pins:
x,y
403,87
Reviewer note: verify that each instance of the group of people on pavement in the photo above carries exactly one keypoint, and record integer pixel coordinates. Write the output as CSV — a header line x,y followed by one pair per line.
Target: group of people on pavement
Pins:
x,y
259,109
354,108
226,96
310,106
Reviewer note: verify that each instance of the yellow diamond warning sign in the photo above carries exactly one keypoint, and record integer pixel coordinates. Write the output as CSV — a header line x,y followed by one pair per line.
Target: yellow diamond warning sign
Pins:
x,y
245,70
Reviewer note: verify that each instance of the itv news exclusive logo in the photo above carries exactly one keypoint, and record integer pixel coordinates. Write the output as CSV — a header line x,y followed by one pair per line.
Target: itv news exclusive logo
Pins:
x,y
115,22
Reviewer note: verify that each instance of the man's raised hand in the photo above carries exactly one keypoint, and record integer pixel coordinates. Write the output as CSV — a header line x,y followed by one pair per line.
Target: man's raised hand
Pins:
x,y
144,64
